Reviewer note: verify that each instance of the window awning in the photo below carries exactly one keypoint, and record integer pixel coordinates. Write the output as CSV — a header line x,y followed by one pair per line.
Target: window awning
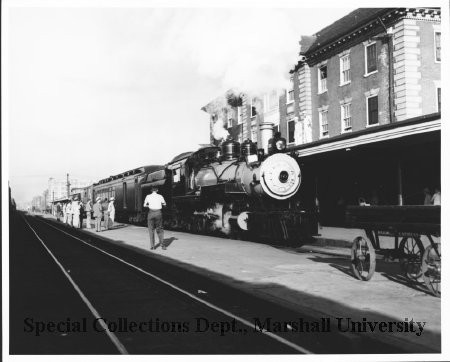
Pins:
x,y
363,138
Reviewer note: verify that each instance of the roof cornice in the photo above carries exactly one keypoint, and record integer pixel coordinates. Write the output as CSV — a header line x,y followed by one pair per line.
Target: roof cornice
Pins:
x,y
372,27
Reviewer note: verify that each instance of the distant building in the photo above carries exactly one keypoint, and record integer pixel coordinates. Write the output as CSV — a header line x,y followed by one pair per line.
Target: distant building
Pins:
x,y
228,117
47,201
240,116
57,189
38,204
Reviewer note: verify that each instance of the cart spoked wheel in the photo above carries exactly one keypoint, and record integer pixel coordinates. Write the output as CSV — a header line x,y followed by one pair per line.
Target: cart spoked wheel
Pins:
x,y
363,258
410,252
431,269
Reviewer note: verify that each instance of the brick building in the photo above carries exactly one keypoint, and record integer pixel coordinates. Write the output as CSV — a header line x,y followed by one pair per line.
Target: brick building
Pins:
x,y
237,113
369,68
37,203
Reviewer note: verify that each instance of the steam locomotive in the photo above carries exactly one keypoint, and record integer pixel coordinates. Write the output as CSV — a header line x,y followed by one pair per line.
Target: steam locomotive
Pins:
x,y
233,189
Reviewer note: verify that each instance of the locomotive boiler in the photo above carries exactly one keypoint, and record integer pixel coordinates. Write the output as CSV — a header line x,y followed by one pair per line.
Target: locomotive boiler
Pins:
x,y
278,176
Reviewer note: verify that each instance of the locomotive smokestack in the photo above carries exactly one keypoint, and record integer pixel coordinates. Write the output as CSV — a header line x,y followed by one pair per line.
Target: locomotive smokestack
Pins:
x,y
266,129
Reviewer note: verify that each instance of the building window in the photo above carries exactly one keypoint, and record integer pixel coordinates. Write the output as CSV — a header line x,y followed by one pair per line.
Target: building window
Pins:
x,y
371,58
322,74
323,121
291,131
437,45
253,112
439,99
229,119
239,115
290,108
290,91
345,69
346,118
372,110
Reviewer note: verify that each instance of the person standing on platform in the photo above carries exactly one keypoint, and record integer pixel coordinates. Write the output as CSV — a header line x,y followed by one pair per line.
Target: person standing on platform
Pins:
x,y
58,211
427,199
111,211
64,210
97,208
76,213
69,213
88,209
436,199
81,214
155,203
105,213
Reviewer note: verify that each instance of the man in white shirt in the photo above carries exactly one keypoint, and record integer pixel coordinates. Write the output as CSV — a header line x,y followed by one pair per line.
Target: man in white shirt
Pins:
x,y
155,202
436,199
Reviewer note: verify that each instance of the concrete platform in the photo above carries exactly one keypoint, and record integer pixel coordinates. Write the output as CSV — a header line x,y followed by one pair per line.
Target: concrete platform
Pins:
x,y
305,279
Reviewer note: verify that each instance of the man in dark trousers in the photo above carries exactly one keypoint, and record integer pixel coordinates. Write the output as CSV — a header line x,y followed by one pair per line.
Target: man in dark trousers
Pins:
x,y
98,214
155,203
58,210
105,213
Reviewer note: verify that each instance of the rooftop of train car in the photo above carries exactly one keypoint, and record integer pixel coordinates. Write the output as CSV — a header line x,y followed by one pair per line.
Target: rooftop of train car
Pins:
x,y
136,171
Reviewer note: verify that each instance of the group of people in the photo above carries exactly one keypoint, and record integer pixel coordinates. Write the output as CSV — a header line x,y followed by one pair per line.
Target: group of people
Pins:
x,y
103,210
72,213
434,199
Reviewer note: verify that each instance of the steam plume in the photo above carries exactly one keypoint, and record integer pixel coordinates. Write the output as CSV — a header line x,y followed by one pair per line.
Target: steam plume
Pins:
x,y
218,130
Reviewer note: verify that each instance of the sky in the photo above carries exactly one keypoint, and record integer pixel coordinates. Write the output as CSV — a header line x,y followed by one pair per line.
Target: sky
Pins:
x,y
95,91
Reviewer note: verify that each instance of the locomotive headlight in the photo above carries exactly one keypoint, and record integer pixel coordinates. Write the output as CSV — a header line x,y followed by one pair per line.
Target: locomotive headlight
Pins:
x,y
280,145
280,176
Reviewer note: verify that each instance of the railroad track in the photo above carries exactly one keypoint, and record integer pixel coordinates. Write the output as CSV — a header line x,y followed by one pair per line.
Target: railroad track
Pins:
x,y
145,306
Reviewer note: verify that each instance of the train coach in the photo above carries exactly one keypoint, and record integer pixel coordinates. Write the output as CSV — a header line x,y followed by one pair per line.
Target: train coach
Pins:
x,y
127,190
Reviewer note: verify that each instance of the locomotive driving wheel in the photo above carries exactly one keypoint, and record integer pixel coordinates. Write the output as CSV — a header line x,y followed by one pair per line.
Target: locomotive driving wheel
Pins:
x,y
431,268
363,259
411,251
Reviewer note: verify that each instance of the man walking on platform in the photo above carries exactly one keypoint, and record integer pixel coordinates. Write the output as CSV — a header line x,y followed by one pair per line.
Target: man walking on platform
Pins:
x,y
155,202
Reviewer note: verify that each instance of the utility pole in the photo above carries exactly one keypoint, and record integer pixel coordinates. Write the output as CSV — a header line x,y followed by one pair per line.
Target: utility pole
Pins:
x,y
68,186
